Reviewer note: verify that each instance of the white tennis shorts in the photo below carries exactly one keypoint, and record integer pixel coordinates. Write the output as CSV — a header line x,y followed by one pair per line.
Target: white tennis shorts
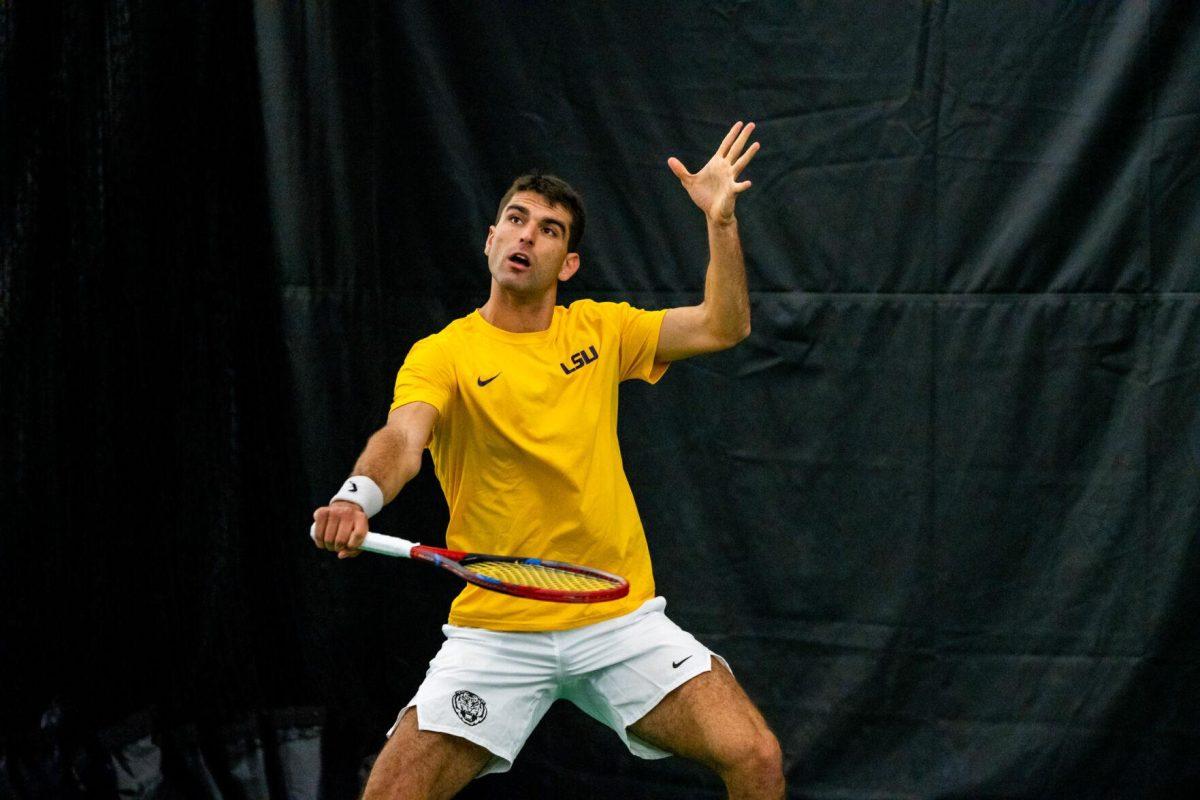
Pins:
x,y
493,687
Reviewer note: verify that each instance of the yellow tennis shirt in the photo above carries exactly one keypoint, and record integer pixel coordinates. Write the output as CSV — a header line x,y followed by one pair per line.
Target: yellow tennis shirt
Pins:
x,y
526,450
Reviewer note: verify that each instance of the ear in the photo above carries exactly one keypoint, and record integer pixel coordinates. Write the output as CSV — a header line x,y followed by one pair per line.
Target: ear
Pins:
x,y
569,266
487,244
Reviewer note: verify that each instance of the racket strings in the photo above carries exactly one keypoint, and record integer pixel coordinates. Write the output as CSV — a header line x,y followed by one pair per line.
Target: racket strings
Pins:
x,y
540,576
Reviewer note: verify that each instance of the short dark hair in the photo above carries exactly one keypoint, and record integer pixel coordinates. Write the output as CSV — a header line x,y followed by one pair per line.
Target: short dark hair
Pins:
x,y
559,193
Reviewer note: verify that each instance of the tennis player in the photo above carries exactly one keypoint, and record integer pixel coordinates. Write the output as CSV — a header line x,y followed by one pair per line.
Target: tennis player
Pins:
x,y
517,403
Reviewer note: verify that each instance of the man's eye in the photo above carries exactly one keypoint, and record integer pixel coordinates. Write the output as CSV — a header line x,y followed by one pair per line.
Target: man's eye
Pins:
x,y
550,231
514,219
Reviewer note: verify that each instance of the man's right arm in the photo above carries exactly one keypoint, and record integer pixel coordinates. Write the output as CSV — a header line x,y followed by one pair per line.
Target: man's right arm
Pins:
x,y
391,458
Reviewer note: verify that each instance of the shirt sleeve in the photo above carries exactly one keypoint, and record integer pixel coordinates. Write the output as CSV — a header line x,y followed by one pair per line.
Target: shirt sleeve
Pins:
x,y
639,342
426,375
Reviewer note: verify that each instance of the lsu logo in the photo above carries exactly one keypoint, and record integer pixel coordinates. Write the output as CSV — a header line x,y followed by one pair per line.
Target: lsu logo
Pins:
x,y
580,360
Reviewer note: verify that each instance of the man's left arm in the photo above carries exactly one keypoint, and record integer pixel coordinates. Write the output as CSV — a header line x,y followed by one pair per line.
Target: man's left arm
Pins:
x,y
723,318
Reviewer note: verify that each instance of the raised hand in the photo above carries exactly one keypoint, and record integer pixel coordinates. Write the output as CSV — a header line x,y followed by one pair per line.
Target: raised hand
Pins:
x,y
714,189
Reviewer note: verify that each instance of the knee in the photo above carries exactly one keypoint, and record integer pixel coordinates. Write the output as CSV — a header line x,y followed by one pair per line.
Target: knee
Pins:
x,y
759,758
768,756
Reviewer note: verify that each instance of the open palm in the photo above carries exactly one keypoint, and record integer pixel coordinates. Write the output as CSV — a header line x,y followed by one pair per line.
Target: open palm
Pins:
x,y
715,187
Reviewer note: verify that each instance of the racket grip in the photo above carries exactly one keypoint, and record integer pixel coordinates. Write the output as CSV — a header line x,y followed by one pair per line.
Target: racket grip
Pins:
x,y
379,543
388,545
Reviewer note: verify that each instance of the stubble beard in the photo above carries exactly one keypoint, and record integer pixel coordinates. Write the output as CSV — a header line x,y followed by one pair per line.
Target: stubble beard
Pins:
x,y
522,285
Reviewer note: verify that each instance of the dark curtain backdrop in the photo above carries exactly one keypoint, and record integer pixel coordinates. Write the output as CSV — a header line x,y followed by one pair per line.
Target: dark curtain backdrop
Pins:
x,y
940,511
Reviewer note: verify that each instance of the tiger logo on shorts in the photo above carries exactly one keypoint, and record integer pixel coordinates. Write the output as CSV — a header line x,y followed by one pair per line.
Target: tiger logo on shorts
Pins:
x,y
469,707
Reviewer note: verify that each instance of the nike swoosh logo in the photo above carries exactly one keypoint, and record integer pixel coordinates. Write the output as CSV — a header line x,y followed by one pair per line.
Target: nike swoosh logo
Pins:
x,y
353,487
675,664
482,382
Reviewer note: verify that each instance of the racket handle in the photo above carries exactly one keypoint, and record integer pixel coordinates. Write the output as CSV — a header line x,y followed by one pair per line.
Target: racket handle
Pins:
x,y
388,545
379,543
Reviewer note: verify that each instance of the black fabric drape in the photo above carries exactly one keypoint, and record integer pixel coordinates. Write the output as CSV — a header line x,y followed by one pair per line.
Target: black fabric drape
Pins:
x,y
141,389
939,511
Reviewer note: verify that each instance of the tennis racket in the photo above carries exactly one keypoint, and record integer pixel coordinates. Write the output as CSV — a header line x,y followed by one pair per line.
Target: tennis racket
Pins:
x,y
532,578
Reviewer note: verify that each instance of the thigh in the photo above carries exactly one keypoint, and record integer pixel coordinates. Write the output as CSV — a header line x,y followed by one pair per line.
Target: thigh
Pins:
x,y
708,719
624,668
423,764
488,688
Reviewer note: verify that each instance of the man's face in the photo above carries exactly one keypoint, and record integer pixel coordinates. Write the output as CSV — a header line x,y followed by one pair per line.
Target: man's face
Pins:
x,y
527,247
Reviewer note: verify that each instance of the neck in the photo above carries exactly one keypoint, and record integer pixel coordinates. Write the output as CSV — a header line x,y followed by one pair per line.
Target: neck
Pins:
x,y
517,314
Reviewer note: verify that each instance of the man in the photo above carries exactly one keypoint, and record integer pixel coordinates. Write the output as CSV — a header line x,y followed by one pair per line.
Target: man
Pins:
x,y
524,440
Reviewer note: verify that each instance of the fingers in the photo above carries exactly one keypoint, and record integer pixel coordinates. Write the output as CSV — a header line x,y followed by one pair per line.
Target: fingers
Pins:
x,y
736,149
741,163
730,150
339,528
738,188
727,142
678,168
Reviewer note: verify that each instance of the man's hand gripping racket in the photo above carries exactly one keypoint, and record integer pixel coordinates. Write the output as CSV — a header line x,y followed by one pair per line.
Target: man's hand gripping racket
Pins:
x,y
532,578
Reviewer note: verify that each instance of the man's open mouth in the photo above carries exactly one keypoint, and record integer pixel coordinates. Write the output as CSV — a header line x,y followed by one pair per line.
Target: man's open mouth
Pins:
x,y
519,258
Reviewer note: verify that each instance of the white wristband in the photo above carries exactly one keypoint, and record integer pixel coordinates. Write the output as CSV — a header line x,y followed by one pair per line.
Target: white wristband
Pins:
x,y
361,490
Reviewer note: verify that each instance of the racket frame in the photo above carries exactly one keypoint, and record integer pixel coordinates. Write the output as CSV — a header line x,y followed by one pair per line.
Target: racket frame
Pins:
x,y
458,562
